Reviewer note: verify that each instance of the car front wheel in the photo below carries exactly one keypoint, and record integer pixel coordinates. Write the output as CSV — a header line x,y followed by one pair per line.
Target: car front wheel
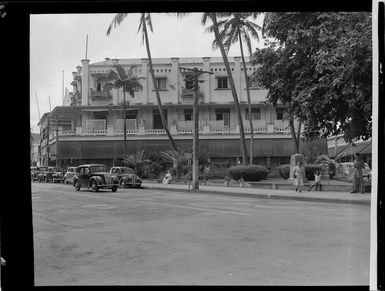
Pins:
x,y
94,186
77,186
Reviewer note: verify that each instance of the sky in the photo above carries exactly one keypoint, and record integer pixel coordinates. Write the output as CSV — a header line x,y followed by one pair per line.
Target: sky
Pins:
x,y
58,44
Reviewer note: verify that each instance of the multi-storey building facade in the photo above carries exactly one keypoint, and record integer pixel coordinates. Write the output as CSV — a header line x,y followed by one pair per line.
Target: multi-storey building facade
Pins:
x,y
90,126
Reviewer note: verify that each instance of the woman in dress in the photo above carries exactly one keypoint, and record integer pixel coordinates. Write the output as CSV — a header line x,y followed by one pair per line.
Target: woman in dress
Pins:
x,y
299,176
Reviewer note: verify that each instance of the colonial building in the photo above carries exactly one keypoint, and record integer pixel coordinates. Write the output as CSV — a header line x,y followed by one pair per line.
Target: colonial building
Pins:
x,y
90,127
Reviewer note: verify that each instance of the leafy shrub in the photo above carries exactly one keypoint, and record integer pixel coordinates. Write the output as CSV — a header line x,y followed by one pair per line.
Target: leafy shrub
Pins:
x,y
332,170
284,171
216,174
310,170
248,173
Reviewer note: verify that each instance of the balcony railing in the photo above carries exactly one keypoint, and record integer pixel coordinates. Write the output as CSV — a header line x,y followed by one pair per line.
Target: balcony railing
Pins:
x,y
95,132
118,131
187,93
209,129
100,95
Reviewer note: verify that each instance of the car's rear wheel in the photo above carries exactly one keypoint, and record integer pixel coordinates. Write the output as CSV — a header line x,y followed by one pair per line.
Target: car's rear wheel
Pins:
x,y
77,186
122,183
94,186
113,189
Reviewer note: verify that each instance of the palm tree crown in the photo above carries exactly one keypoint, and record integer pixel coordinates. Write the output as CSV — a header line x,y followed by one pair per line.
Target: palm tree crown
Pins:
x,y
237,24
119,78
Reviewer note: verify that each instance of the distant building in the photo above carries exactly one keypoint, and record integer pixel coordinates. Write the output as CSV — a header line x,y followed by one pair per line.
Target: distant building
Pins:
x,y
90,125
35,141
342,151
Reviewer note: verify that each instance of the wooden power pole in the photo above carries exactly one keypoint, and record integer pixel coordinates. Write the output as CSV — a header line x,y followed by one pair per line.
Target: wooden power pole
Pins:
x,y
194,78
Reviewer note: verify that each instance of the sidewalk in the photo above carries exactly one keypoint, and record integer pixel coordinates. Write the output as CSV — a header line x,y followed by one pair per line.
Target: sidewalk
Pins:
x,y
315,196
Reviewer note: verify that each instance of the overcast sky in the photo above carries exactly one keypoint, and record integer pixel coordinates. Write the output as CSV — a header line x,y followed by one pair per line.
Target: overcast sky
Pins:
x,y
58,43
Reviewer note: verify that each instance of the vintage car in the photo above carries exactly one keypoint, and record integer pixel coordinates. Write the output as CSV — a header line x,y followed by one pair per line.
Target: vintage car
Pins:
x,y
95,176
127,177
58,176
346,170
69,175
34,173
41,173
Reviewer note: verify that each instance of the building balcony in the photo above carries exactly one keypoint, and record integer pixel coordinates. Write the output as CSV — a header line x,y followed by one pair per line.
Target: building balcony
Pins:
x,y
188,96
100,95
181,128
189,93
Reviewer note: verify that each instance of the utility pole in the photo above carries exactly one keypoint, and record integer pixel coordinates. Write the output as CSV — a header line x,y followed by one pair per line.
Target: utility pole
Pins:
x,y
48,129
195,81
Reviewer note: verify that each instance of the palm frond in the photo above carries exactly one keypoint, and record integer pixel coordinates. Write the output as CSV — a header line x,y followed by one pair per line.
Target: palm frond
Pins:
x,y
247,39
117,20
253,29
205,16
121,72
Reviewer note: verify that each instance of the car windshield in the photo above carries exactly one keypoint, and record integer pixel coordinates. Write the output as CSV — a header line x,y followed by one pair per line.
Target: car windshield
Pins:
x,y
94,169
127,171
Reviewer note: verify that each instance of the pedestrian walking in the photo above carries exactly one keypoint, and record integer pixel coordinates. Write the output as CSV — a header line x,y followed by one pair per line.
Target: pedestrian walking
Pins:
x,y
299,176
317,181
358,183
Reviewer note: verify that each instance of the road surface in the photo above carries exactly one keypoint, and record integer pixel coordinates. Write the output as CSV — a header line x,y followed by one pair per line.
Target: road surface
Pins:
x,y
152,237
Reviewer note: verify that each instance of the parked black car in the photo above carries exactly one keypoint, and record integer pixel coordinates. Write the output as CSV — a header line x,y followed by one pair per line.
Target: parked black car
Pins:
x,y
127,177
58,176
95,176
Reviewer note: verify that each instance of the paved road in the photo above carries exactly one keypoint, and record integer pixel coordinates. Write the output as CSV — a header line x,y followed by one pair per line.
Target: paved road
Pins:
x,y
140,237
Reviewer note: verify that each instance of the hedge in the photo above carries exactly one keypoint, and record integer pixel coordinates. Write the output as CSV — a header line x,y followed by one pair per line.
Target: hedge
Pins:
x,y
248,173
284,171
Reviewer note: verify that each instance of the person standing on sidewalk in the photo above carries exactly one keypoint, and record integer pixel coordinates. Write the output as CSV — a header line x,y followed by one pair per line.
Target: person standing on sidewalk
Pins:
x,y
358,184
299,176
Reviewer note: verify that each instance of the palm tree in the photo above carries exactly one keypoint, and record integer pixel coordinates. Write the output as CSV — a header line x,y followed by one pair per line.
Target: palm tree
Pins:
x,y
233,30
178,158
139,162
118,78
219,42
145,20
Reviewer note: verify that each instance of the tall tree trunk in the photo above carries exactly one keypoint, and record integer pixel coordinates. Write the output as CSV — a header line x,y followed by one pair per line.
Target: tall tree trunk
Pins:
x,y
248,99
292,130
124,127
213,18
155,85
195,164
299,135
